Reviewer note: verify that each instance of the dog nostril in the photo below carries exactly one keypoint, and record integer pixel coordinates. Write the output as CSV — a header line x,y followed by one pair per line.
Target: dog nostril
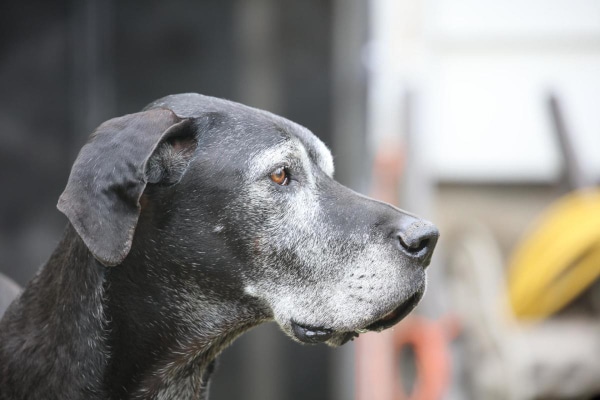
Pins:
x,y
414,247
418,239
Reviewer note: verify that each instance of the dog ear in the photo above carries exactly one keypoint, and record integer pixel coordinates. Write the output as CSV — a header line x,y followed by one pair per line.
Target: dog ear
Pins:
x,y
171,157
102,197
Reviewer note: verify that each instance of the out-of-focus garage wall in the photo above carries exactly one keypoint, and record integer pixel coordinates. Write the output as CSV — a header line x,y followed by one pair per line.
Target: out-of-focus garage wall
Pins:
x,y
463,86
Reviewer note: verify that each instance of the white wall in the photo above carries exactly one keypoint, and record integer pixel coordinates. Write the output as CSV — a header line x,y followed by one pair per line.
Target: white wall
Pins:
x,y
481,71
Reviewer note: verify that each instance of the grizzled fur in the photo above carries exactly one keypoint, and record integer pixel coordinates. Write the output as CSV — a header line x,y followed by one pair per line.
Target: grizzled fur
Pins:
x,y
178,241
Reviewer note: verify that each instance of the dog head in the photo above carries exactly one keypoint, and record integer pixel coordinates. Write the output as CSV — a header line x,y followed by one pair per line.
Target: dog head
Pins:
x,y
245,201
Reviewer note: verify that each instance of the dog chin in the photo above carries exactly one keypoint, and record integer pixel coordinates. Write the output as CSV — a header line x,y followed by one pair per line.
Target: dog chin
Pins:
x,y
312,335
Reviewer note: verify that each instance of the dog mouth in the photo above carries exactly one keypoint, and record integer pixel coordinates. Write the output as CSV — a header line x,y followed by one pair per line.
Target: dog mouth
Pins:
x,y
312,335
392,318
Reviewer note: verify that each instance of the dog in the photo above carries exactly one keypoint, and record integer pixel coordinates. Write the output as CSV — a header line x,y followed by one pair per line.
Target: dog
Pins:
x,y
191,222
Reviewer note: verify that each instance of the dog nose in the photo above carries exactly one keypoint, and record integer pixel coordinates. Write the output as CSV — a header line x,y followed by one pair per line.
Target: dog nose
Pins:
x,y
418,239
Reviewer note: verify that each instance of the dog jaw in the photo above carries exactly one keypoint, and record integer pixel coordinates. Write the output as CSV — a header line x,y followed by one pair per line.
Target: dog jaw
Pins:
x,y
315,314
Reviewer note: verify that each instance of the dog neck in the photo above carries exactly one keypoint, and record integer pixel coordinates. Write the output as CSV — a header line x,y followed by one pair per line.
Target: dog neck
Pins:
x,y
53,337
86,330
168,325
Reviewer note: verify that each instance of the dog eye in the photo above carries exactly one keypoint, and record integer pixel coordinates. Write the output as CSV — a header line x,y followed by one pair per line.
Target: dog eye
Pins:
x,y
280,176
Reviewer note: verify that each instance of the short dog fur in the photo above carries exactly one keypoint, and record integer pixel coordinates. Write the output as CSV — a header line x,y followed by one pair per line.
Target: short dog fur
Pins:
x,y
182,235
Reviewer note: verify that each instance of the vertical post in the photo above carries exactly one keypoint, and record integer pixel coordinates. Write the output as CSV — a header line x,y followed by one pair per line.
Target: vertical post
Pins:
x,y
259,85
350,18
259,80
573,172
349,92
92,84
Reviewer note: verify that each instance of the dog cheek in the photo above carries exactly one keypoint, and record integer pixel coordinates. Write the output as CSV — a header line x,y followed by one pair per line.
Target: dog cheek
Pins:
x,y
257,248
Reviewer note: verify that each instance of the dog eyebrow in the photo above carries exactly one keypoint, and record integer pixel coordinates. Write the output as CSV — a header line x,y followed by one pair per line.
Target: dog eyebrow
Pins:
x,y
301,146
280,153
313,147
323,158
317,150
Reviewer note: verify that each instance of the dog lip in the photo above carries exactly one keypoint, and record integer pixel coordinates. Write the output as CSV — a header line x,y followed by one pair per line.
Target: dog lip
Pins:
x,y
308,334
313,335
392,318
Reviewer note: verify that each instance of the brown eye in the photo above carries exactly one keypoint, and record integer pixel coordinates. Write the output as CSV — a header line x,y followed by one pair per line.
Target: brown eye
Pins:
x,y
280,176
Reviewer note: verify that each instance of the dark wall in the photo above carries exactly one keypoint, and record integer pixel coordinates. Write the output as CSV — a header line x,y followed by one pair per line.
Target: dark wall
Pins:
x,y
66,66
183,47
34,132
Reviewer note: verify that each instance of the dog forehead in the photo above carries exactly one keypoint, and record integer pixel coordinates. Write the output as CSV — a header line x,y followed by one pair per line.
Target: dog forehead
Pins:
x,y
245,118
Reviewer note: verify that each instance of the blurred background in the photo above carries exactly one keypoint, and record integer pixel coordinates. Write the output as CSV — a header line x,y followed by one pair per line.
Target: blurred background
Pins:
x,y
482,116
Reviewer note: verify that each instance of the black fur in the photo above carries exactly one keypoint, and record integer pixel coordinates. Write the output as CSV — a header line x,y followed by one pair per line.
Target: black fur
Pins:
x,y
155,272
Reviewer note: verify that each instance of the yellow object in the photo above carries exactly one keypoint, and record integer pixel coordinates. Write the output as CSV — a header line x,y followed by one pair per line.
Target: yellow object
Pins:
x,y
559,259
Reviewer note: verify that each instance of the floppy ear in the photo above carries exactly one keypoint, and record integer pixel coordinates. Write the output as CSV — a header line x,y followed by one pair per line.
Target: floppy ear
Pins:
x,y
102,197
